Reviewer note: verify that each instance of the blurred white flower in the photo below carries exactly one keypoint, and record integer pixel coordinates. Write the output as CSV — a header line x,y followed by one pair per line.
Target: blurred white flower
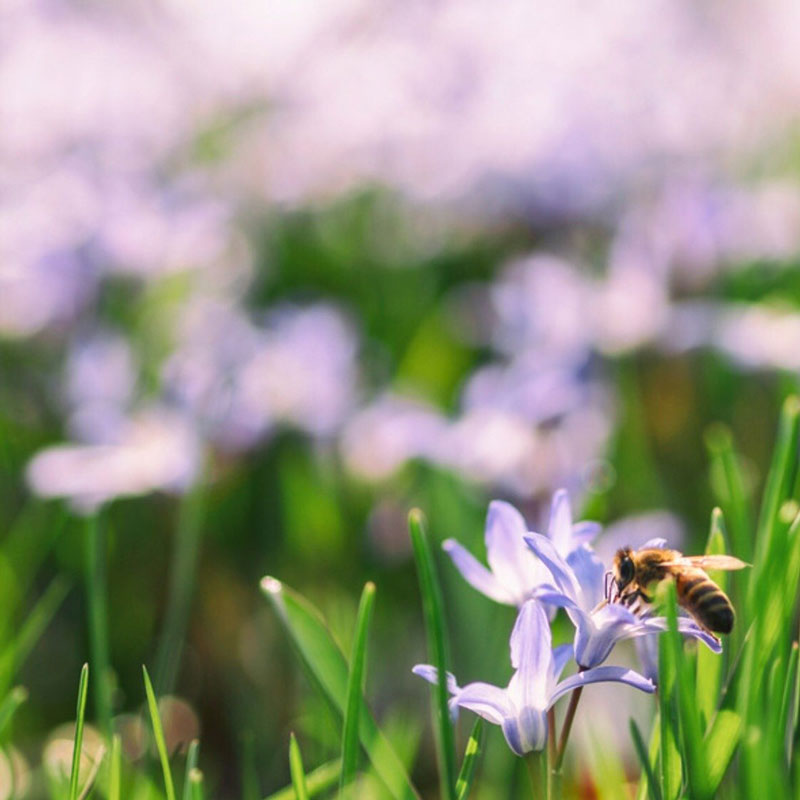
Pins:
x,y
382,436
155,450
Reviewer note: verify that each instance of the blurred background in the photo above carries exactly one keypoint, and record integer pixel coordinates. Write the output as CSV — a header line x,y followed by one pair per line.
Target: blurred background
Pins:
x,y
272,273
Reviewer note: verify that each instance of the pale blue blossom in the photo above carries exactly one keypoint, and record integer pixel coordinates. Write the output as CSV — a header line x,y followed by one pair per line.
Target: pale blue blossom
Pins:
x,y
599,624
514,573
521,708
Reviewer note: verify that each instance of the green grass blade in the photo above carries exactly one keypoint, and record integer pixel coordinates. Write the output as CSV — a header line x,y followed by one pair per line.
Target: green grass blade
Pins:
x,y
432,607
158,733
643,790
79,720
721,743
317,781
355,687
328,667
709,665
296,770
786,699
653,786
730,488
14,699
191,763
249,770
115,769
671,762
689,730
196,784
777,489
471,753
33,628
188,536
97,603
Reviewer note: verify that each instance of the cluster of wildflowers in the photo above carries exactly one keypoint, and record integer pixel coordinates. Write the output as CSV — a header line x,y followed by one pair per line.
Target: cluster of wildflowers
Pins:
x,y
537,572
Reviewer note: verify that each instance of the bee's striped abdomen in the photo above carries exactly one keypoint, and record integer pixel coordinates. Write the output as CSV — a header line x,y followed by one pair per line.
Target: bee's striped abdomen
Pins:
x,y
702,598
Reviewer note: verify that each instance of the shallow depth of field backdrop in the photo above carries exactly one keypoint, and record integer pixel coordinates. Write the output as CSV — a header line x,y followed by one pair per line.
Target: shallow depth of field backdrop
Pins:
x,y
272,273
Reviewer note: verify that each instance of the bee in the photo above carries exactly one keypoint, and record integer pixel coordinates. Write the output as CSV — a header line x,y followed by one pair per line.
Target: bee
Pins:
x,y
635,570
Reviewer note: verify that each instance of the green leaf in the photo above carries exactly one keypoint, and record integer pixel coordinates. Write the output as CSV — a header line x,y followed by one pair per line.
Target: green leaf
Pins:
x,y
115,769
14,699
328,667
79,717
709,664
355,687
158,732
653,786
296,770
721,743
317,781
432,607
471,752
191,764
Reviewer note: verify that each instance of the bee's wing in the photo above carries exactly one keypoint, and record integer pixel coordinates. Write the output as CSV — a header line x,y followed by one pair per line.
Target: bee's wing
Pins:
x,y
708,562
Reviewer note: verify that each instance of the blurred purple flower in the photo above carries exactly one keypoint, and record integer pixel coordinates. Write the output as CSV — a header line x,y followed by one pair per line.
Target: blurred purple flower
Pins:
x,y
521,708
238,379
599,625
515,573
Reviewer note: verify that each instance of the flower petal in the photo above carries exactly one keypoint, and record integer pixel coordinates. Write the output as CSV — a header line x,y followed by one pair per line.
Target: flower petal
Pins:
x,y
647,650
509,558
584,532
559,528
491,702
431,674
688,627
618,674
531,656
589,572
596,634
552,597
527,731
561,656
558,567
475,574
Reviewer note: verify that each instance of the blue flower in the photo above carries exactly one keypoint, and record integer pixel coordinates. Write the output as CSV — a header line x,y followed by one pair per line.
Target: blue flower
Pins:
x,y
521,708
514,572
599,625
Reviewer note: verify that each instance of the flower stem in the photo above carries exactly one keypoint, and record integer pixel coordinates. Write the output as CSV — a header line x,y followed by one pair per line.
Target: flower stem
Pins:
x,y
181,588
552,784
567,726
534,761
96,595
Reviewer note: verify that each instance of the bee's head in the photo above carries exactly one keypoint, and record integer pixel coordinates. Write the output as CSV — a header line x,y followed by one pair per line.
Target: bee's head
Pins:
x,y
624,569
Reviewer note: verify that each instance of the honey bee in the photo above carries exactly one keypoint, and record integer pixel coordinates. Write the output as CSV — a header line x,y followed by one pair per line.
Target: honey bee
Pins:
x,y
635,570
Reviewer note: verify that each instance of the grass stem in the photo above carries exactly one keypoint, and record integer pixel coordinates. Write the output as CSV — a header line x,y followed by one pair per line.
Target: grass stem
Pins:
x,y
97,597
181,588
